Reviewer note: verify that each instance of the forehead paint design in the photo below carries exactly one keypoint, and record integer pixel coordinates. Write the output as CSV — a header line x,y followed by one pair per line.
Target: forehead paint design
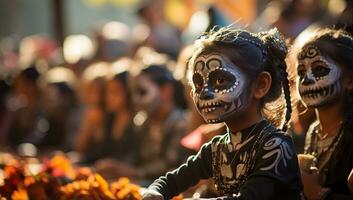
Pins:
x,y
309,51
318,77
218,86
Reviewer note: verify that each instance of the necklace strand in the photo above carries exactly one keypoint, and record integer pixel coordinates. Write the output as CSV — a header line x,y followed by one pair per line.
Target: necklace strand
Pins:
x,y
247,137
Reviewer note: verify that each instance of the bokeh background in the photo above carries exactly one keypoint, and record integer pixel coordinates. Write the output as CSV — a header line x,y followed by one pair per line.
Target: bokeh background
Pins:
x,y
104,81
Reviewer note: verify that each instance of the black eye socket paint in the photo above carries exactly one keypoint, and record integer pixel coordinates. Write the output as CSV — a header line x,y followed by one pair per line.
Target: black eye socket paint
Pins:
x,y
197,81
221,80
320,70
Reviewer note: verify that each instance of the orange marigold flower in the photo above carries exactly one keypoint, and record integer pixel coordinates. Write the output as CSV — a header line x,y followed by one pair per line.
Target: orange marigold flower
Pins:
x,y
20,194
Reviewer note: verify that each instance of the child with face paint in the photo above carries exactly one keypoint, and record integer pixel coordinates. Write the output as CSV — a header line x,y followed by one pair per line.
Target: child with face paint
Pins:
x,y
234,74
325,83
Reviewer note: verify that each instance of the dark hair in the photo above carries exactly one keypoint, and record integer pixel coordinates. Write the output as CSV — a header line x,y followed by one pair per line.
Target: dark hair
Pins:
x,y
100,82
255,53
30,73
65,90
337,45
123,78
161,76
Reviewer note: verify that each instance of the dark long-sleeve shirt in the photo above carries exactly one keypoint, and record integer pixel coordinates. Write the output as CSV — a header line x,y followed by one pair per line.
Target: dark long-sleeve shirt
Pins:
x,y
336,163
256,163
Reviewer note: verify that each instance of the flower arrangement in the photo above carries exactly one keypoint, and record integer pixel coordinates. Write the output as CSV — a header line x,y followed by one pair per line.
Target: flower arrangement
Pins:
x,y
58,179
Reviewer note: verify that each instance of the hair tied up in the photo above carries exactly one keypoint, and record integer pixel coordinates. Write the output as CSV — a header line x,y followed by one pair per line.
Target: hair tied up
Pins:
x,y
276,54
274,42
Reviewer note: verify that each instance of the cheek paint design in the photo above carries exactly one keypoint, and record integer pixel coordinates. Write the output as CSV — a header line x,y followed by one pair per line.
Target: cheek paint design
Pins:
x,y
319,78
218,87
146,95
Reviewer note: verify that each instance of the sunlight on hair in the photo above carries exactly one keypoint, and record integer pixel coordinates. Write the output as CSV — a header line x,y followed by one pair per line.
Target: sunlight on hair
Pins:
x,y
116,30
60,74
96,70
121,65
140,32
198,24
77,47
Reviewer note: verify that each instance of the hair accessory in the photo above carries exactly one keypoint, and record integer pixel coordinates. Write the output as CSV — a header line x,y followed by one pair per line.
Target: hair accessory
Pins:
x,y
234,36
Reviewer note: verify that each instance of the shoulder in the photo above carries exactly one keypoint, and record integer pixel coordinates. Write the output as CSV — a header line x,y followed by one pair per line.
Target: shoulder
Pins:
x,y
279,143
276,137
277,154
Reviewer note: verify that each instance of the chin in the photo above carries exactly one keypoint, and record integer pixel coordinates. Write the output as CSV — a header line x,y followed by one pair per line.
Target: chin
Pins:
x,y
217,119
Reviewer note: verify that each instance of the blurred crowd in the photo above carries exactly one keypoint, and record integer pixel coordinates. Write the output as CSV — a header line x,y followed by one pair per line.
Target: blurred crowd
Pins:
x,y
119,97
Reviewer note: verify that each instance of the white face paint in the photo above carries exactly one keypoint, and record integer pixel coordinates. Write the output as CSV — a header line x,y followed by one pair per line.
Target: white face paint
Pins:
x,y
319,77
146,94
218,86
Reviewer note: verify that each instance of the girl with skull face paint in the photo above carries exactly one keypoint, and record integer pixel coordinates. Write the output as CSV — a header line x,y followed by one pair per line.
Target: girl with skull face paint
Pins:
x,y
234,74
325,83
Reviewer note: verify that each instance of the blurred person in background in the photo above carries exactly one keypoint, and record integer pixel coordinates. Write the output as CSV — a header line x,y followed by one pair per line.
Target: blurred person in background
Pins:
x,y
165,122
25,104
119,145
113,41
61,108
163,37
91,130
296,15
345,20
4,111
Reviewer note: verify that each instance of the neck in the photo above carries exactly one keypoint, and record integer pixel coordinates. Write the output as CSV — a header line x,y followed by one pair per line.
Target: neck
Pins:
x,y
330,117
245,120
162,113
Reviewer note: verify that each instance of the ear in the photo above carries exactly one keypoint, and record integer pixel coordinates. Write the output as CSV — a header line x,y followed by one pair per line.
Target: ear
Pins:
x,y
262,85
167,92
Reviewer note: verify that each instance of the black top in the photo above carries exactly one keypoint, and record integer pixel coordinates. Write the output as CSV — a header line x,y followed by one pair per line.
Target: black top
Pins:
x,y
125,148
335,173
257,163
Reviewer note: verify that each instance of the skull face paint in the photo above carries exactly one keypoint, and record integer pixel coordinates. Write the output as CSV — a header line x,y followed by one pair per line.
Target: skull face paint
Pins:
x,y
319,77
146,94
218,86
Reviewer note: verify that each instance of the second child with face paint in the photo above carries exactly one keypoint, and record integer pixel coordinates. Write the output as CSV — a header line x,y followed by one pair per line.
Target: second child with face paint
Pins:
x,y
235,75
325,83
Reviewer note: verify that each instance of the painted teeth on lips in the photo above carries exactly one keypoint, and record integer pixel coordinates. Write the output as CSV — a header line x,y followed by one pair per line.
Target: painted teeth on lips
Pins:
x,y
209,104
315,92
207,110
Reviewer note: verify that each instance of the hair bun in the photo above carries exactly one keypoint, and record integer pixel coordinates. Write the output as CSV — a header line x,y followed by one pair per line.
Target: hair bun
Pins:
x,y
274,42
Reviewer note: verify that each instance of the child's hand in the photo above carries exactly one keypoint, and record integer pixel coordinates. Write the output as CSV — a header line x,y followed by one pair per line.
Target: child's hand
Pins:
x,y
152,195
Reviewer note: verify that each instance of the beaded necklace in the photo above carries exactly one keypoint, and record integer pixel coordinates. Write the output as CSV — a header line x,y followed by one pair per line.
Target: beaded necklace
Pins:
x,y
314,147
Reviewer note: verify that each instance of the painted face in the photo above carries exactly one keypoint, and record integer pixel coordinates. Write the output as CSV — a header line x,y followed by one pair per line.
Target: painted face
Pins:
x,y
319,77
146,94
218,87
